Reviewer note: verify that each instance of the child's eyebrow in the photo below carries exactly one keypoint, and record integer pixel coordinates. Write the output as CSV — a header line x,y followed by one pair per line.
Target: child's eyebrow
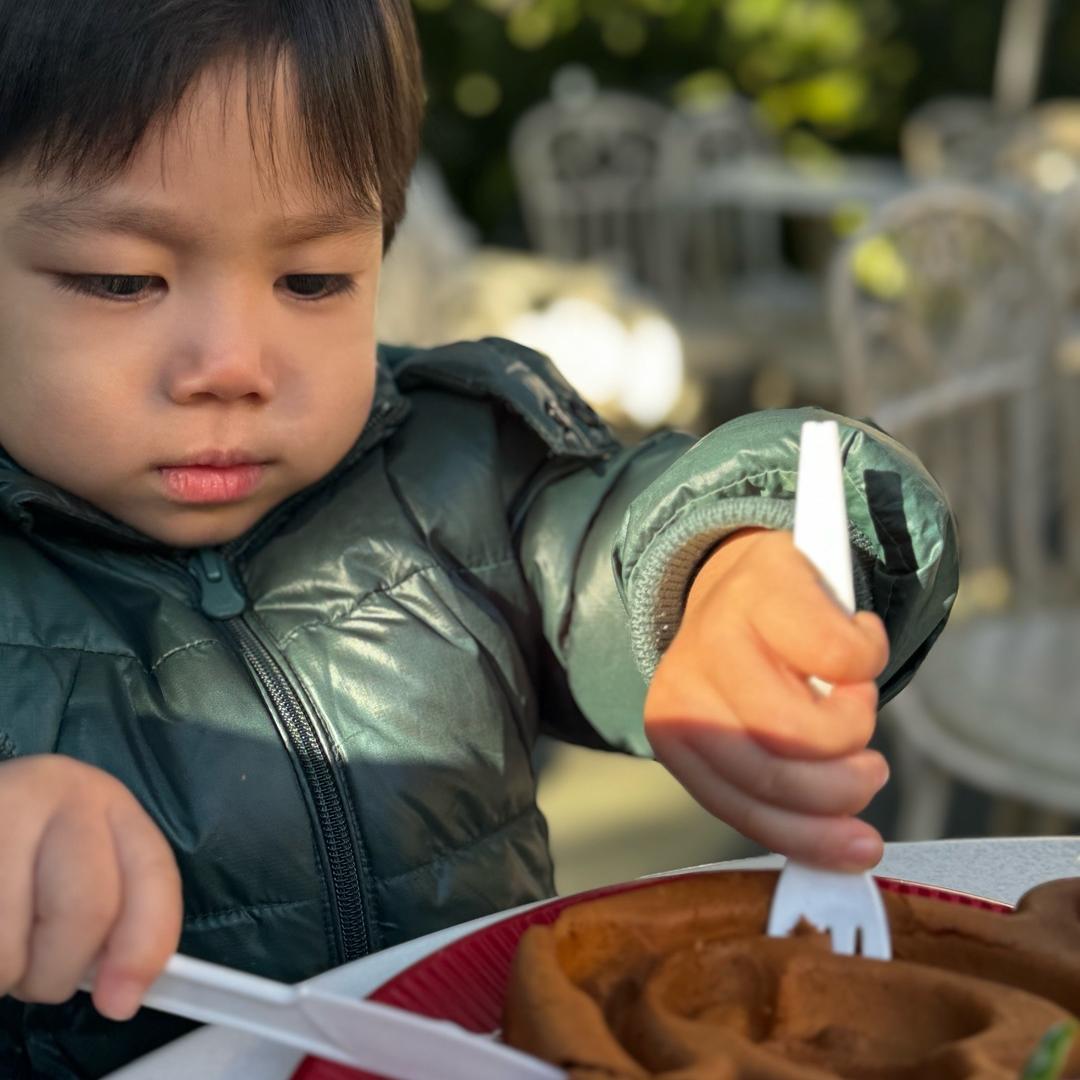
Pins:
x,y
62,216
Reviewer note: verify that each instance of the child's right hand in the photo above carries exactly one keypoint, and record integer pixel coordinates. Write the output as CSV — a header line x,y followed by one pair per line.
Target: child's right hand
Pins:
x,y
732,715
86,878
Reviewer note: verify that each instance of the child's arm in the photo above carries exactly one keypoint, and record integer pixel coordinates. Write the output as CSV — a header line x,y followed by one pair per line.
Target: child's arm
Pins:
x,y
659,514
730,712
87,877
611,539
657,511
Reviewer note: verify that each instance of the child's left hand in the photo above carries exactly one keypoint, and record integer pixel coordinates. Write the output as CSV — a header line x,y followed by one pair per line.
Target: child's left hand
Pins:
x,y
732,716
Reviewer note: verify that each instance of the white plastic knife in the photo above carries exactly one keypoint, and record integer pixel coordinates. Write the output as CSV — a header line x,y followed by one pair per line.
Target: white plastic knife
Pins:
x,y
379,1038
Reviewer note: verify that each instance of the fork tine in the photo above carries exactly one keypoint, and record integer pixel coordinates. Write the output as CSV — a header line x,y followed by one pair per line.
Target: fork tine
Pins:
x,y
846,906
876,943
843,937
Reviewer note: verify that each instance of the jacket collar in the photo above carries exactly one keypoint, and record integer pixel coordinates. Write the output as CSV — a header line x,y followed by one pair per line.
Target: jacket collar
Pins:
x,y
35,506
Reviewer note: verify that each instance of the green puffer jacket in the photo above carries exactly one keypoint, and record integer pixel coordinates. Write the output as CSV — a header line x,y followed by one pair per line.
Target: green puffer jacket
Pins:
x,y
332,717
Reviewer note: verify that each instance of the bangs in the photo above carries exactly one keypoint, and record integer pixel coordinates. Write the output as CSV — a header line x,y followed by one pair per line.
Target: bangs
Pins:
x,y
83,82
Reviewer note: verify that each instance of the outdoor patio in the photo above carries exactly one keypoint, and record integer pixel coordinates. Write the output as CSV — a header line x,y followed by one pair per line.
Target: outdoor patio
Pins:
x,y
687,266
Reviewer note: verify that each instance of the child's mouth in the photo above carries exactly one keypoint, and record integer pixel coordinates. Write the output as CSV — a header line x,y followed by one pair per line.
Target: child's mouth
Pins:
x,y
211,483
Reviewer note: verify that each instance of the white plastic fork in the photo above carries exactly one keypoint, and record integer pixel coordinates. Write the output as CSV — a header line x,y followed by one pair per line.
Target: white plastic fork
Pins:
x,y
380,1038
847,906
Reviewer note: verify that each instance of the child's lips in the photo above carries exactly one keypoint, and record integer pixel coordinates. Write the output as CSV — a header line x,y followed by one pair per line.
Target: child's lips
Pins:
x,y
212,483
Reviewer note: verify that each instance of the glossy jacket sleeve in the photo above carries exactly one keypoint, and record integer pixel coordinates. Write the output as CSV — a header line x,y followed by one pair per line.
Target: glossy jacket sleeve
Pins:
x,y
611,552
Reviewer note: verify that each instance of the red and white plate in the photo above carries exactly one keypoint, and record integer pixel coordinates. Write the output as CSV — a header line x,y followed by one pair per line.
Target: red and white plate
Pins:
x,y
465,981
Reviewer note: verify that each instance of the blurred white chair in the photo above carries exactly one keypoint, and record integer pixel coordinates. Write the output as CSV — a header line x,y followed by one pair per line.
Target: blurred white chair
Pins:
x,y
1060,243
587,166
1059,239
720,244
1040,163
440,284
954,138
740,304
433,244
945,322
1042,153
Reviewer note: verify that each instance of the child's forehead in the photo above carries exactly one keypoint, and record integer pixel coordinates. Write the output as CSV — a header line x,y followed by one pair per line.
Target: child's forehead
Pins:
x,y
172,223
235,125
240,116
225,146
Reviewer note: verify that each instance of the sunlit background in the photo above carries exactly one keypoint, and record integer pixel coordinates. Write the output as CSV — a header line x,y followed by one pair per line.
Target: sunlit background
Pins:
x,y
698,208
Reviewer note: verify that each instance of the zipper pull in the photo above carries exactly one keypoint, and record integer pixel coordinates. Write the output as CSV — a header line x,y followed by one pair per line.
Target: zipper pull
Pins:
x,y
219,595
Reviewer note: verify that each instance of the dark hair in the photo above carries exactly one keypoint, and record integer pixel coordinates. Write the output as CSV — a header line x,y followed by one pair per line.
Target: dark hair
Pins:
x,y
82,81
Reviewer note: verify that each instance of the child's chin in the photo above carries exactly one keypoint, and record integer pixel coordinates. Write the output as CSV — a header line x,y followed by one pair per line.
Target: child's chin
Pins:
x,y
201,528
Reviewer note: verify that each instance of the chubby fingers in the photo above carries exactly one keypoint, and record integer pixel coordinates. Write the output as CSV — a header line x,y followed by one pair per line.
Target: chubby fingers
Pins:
x,y
808,630
831,787
755,629
87,876
147,927
779,593
17,849
838,842
776,705
76,898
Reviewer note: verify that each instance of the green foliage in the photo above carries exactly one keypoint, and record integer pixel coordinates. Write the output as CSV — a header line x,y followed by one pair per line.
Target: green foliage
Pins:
x,y
1050,1056
822,72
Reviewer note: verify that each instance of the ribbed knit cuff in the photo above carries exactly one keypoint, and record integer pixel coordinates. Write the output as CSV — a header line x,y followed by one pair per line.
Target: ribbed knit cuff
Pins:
x,y
659,583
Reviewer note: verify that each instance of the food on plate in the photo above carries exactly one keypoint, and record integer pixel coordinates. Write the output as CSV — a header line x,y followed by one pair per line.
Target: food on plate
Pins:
x,y
677,980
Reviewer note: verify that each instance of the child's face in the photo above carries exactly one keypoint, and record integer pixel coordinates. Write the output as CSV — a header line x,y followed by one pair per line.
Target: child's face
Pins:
x,y
186,312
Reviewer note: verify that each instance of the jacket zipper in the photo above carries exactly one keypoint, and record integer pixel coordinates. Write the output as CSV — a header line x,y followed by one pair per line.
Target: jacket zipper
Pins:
x,y
221,599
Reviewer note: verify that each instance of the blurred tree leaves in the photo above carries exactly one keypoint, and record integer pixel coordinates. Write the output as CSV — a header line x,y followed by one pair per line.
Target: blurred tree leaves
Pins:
x,y
821,72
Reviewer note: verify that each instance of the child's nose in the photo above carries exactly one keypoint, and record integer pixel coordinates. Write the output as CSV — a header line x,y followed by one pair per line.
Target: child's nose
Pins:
x,y
227,361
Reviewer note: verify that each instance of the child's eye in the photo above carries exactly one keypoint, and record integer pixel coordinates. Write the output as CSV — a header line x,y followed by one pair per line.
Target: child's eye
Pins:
x,y
318,286
123,287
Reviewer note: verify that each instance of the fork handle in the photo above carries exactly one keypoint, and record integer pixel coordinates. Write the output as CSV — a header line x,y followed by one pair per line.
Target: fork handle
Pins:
x,y
821,521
